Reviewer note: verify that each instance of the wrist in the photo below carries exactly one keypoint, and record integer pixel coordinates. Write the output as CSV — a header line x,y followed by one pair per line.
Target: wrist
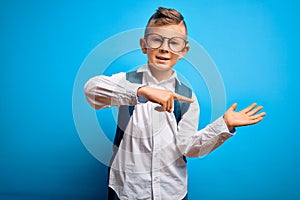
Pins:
x,y
141,91
229,126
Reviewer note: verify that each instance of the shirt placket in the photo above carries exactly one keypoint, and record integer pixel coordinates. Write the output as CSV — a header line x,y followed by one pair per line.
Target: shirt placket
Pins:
x,y
155,172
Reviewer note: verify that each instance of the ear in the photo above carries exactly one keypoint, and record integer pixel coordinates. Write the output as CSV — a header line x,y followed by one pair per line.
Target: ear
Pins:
x,y
184,51
143,45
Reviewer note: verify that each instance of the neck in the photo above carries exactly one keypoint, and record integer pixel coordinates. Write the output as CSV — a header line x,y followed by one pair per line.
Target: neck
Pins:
x,y
161,75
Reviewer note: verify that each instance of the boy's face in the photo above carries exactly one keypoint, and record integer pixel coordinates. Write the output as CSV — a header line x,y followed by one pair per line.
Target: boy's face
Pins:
x,y
164,45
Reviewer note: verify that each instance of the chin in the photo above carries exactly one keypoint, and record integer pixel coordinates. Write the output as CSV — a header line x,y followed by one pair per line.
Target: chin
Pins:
x,y
162,67
162,64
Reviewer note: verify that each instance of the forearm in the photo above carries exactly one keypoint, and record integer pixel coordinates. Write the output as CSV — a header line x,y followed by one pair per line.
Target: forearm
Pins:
x,y
208,139
104,91
193,142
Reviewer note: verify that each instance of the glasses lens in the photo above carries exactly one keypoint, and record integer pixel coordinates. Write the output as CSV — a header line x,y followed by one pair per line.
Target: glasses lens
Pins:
x,y
176,44
154,40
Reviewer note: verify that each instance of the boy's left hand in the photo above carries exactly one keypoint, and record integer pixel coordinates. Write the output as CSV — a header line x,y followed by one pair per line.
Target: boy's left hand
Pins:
x,y
244,117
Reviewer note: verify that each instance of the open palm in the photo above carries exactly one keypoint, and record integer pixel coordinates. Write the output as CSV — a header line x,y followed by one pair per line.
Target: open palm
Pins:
x,y
244,117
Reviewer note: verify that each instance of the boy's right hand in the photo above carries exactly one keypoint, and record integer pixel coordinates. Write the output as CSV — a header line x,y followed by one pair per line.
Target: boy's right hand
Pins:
x,y
163,97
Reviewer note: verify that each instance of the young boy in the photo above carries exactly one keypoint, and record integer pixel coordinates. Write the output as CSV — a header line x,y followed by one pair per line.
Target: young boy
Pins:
x,y
157,127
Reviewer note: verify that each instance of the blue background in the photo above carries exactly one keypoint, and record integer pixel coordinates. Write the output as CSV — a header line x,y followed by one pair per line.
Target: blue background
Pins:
x,y
43,43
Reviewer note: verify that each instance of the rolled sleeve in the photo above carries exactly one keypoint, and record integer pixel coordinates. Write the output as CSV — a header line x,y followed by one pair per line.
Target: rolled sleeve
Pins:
x,y
104,91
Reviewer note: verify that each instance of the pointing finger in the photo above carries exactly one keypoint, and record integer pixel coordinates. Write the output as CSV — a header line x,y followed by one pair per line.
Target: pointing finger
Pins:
x,y
182,98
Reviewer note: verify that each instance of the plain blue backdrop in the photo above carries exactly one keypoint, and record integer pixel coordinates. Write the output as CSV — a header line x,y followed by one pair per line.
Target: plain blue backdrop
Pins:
x,y
43,44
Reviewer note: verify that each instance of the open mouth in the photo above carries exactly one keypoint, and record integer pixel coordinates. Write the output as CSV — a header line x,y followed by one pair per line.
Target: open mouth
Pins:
x,y
162,58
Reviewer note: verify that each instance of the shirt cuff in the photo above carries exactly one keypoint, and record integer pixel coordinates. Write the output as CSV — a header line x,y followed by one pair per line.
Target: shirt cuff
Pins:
x,y
220,126
141,99
131,91
127,94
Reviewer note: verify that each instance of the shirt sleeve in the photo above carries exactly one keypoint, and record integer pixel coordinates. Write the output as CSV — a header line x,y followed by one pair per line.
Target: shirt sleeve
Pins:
x,y
193,142
105,91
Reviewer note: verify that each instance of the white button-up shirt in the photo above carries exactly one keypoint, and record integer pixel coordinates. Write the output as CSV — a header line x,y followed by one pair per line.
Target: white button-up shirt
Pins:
x,y
149,163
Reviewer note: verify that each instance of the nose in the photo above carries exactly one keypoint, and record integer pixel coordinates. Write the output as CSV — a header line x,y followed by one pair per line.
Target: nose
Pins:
x,y
164,46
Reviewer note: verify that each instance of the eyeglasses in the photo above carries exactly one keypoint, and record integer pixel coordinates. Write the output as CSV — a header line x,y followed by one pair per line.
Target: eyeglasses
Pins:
x,y
155,41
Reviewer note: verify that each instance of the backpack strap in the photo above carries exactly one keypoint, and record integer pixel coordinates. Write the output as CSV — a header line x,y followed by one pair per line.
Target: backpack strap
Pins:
x,y
134,77
125,112
181,107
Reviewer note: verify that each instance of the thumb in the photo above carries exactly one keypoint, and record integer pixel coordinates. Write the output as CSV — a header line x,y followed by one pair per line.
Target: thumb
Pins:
x,y
233,106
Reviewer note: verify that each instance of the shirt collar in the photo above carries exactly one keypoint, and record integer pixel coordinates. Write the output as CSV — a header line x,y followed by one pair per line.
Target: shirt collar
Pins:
x,y
145,68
